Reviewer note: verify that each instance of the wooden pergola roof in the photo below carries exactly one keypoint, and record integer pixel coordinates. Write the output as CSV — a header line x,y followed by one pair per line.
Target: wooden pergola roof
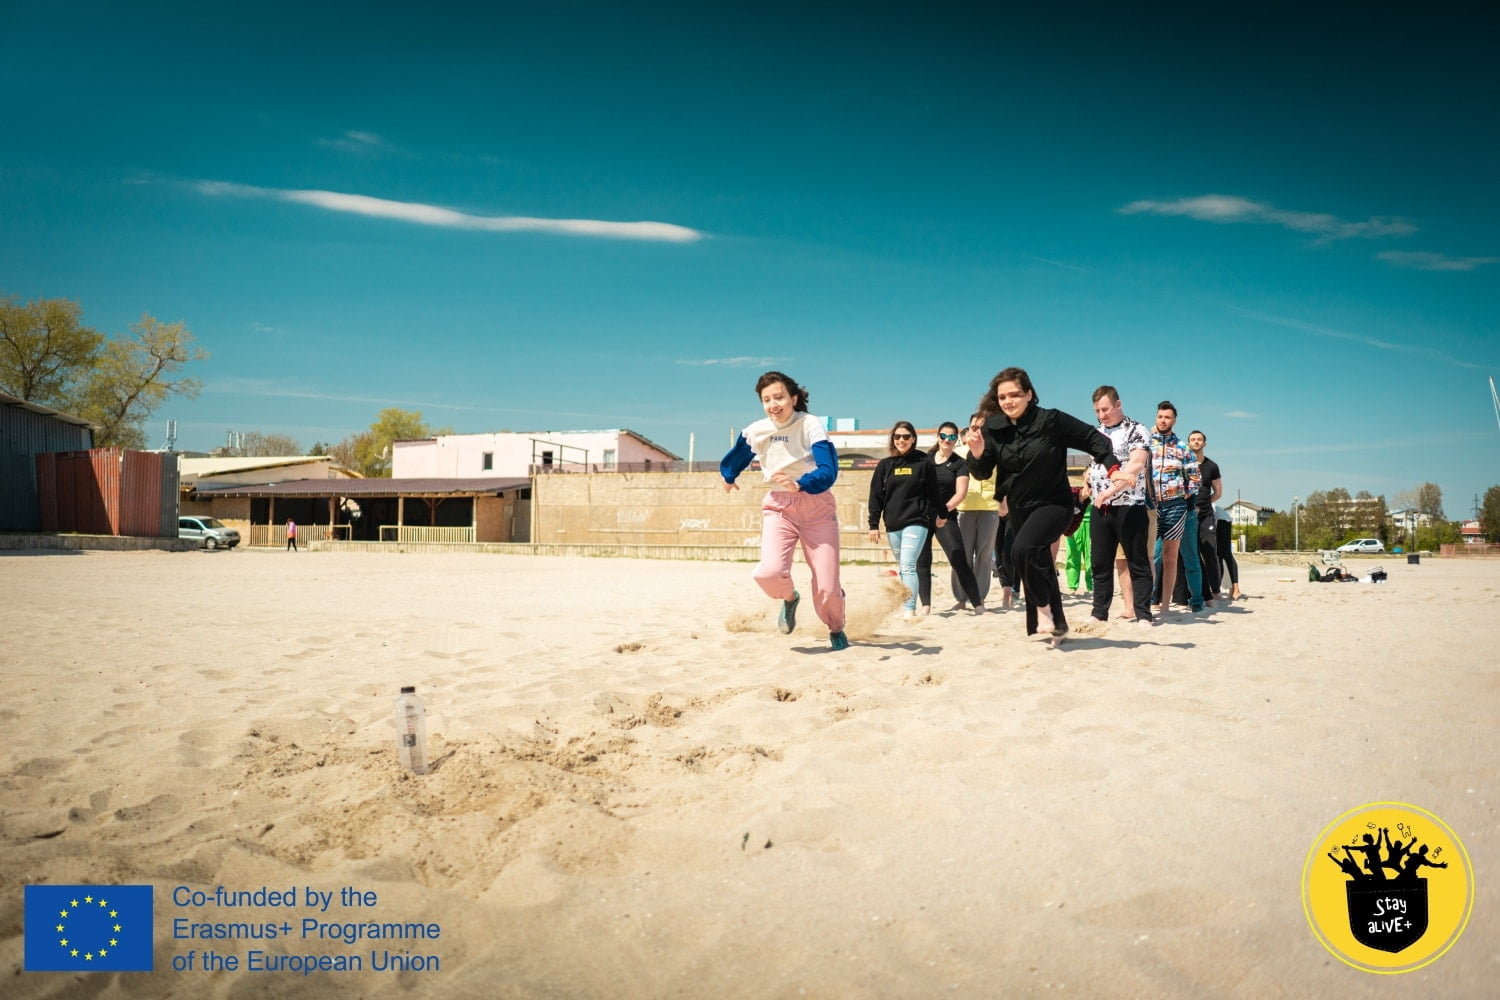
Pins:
x,y
433,487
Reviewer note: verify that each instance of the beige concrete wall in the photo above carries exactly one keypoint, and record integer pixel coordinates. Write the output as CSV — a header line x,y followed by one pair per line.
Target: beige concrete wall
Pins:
x,y
492,519
677,508
109,543
233,511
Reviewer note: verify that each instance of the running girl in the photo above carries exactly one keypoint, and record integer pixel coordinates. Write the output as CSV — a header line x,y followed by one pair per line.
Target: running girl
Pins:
x,y
800,463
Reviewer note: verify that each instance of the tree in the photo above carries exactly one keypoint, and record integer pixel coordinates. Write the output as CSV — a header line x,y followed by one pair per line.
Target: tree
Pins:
x,y
1489,514
254,444
1430,501
369,452
134,376
45,350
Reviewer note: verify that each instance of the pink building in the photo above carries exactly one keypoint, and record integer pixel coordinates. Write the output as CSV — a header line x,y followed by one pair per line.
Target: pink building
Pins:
x,y
520,453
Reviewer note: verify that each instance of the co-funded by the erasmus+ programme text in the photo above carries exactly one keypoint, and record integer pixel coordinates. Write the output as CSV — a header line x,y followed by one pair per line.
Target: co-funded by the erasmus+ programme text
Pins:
x,y
370,944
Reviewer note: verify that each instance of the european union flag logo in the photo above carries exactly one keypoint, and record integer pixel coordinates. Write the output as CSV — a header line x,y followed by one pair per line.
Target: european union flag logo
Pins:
x,y
89,928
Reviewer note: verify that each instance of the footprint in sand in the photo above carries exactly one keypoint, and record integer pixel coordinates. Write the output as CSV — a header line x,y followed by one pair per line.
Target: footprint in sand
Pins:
x,y
159,808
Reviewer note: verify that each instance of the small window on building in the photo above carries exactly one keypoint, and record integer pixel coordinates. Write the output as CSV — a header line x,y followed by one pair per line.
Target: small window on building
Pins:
x,y
609,458
488,461
546,458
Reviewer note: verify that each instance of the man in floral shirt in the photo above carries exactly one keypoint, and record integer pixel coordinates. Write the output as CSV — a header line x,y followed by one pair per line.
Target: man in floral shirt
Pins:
x,y
1120,522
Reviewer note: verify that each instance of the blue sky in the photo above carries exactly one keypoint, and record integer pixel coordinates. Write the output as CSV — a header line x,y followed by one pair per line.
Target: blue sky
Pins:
x,y
599,215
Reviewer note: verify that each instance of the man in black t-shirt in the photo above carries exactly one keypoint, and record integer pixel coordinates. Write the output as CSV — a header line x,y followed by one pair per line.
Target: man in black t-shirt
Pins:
x,y
1208,494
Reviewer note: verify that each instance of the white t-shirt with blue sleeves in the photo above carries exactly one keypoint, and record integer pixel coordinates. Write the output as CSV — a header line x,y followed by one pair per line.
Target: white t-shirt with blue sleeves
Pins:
x,y
800,448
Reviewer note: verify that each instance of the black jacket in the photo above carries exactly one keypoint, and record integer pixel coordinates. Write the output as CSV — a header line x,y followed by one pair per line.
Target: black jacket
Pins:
x,y
1032,455
904,489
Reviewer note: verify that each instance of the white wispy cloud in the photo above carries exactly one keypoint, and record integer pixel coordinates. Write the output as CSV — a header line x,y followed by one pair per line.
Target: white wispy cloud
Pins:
x,y
1223,209
436,215
357,142
1411,445
1358,338
1058,263
1242,415
741,362
1421,260
271,389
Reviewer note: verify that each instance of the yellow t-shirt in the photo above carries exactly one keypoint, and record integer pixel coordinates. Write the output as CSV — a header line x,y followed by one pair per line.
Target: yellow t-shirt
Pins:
x,y
981,495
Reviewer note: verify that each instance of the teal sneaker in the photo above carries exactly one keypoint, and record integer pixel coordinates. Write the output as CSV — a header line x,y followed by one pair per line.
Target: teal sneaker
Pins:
x,y
788,619
838,641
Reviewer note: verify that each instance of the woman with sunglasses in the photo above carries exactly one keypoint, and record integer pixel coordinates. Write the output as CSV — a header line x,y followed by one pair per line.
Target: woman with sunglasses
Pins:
x,y
904,491
953,486
1027,446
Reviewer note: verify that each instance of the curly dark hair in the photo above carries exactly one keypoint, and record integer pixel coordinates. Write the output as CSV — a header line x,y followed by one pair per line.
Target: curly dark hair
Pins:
x,y
792,388
989,403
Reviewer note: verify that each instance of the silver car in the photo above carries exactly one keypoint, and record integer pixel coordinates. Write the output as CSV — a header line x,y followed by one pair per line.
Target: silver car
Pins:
x,y
210,532
1368,545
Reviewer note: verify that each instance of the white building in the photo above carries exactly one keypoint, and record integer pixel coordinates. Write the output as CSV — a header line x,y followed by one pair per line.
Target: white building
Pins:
x,y
518,453
1243,512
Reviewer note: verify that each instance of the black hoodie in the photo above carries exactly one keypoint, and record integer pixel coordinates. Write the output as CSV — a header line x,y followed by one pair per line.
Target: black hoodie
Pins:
x,y
904,488
1032,455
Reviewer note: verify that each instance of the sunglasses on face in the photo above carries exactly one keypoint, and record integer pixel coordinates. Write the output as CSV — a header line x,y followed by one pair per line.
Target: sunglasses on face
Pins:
x,y
902,437
948,437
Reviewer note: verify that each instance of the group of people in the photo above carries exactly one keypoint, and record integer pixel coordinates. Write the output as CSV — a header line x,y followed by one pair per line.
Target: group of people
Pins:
x,y
997,495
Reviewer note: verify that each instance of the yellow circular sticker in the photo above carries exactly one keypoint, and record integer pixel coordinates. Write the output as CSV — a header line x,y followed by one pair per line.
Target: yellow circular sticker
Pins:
x,y
1387,887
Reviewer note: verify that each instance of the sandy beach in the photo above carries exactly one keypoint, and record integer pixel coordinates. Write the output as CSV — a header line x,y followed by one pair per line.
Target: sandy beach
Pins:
x,y
641,789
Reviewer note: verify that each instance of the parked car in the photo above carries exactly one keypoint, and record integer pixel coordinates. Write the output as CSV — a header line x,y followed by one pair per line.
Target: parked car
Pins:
x,y
1368,545
210,532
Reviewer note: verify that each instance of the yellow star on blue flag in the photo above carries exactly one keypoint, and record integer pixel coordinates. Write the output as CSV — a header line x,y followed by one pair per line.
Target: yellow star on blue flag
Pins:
x,y
89,928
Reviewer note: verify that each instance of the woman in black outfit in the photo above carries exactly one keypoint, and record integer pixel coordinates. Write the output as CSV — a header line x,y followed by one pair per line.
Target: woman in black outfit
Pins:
x,y
1029,445
903,490
953,486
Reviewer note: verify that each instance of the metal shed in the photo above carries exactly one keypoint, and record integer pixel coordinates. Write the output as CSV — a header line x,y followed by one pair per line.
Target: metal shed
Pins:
x,y
26,431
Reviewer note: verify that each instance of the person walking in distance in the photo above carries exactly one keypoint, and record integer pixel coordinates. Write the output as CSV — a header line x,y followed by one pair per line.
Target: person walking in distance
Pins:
x,y
291,535
800,464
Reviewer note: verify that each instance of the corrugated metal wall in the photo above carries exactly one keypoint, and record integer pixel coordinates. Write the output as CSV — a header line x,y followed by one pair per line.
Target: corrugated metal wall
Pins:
x,y
23,435
108,491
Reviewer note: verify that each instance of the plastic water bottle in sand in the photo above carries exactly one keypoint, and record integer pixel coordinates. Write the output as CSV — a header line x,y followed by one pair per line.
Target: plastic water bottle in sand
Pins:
x,y
411,731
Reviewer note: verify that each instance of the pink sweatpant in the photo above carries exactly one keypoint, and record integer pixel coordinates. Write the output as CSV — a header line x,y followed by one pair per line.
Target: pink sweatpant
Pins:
x,y
811,518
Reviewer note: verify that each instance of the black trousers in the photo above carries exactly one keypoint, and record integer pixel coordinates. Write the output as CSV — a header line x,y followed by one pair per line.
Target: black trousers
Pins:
x,y
952,541
1208,559
1124,527
1226,553
1032,532
1005,567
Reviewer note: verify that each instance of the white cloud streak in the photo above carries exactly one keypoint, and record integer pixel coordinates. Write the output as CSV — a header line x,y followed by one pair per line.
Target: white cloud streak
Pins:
x,y
1242,415
420,214
273,390
1420,260
1224,209
741,362
357,142
1384,345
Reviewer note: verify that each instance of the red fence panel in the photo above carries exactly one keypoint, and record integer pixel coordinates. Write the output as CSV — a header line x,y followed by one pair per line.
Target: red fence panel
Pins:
x,y
108,491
